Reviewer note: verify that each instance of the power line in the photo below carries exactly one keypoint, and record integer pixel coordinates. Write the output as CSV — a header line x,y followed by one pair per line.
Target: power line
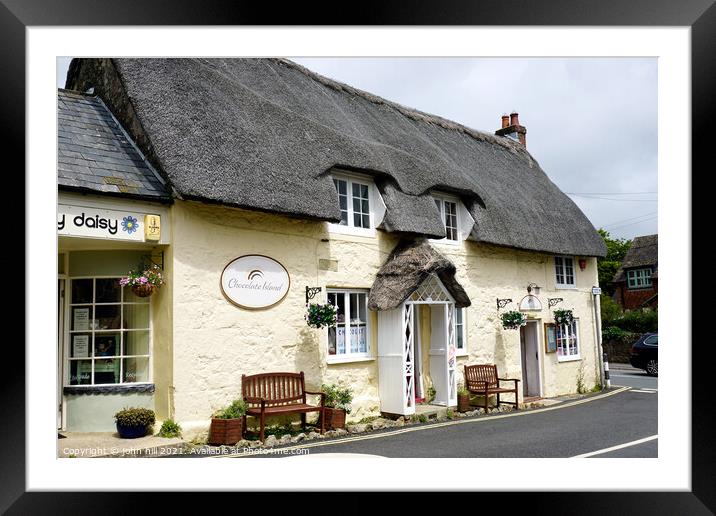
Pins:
x,y
609,193
612,199
619,226
617,222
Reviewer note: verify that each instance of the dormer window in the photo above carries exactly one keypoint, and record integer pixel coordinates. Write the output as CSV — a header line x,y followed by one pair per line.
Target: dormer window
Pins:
x,y
361,207
457,220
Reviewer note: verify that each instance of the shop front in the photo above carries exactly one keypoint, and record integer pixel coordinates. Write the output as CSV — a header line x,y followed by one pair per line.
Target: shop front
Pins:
x,y
106,332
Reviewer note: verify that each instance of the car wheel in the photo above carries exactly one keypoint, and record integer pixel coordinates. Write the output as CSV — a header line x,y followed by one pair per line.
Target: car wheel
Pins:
x,y
652,367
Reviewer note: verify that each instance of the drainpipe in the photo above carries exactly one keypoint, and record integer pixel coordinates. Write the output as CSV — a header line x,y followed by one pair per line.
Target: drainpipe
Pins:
x,y
596,293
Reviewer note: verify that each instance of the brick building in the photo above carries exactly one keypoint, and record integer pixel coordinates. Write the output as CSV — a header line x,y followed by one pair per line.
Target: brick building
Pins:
x,y
637,279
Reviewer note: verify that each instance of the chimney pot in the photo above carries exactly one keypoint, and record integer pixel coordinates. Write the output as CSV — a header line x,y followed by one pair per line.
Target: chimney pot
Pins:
x,y
505,120
514,118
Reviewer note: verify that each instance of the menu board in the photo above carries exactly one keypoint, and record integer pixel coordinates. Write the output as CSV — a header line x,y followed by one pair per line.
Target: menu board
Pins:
x,y
80,346
81,319
550,338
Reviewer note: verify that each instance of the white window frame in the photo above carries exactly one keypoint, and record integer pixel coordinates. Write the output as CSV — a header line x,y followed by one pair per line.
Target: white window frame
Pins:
x,y
461,329
68,332
578,355
559,285
633,276
348,356
373,200
443,198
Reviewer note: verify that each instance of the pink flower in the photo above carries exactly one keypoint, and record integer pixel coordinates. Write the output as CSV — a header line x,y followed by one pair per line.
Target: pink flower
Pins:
x,y
142,280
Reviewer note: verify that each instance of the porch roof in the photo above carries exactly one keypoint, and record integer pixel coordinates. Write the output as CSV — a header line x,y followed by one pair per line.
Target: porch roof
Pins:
x,y
411,263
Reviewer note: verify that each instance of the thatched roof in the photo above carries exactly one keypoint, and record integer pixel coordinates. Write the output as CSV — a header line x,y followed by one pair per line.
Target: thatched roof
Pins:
x,y
263,134
643,252
407,267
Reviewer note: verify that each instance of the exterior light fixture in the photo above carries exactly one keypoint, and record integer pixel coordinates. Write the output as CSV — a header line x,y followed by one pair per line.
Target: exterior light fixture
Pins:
x,y
501,303
582,263
535,287
553,301
311,292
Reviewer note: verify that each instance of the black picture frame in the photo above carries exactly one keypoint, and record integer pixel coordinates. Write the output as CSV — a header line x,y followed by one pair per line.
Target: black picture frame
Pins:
x,y
699,15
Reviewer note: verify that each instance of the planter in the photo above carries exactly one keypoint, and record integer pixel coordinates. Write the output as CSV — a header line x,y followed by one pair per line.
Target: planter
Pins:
x,y
335,418
131,432
463,402
145,290
226,431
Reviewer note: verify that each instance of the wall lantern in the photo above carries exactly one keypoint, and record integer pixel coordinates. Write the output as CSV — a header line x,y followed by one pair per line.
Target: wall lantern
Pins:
x,y
582,263
535,287
553,301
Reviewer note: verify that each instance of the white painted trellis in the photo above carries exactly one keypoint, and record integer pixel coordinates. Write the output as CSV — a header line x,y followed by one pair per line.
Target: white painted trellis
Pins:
x,y
396,349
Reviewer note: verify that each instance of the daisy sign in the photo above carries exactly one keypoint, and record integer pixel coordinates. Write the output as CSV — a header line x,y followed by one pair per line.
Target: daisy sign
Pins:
x,y
82,221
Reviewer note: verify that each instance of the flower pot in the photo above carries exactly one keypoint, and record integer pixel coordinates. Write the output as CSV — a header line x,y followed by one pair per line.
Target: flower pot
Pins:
x,y
226,431
335,418
463,402
145,290
131,432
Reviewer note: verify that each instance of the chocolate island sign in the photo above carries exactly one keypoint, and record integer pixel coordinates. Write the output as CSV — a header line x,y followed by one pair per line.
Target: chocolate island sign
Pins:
x,y
254,281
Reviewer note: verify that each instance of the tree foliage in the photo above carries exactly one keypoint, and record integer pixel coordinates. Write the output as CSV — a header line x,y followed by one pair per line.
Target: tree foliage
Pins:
x,y
607,266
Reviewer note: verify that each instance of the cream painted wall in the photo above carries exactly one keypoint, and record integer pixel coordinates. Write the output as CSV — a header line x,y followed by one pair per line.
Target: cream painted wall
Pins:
x,y
214,342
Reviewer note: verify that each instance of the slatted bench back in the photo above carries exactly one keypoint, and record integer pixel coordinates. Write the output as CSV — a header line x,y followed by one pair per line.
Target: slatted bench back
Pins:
x,y
275,388
476,374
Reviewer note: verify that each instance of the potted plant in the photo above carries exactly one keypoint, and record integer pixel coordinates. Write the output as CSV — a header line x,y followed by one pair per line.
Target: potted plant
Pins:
x,y
144,282
227,424
320,315
513,319
563,316
337,405
134,422
463,398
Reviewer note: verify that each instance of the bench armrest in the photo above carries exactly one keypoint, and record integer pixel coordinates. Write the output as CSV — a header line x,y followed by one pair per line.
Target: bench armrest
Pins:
x,y
321,394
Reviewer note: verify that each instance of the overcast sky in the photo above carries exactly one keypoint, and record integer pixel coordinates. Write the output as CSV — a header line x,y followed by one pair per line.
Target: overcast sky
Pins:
x,y
591,122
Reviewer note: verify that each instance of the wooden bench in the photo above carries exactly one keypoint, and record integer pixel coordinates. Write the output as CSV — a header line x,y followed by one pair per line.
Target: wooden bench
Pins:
x,y
278,394
482,380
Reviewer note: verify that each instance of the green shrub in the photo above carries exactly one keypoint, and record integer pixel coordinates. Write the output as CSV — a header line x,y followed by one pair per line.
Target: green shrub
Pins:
x,y
610,310
236,410
639,321
423,418
615,333
337,397
431,394
170,428
135,416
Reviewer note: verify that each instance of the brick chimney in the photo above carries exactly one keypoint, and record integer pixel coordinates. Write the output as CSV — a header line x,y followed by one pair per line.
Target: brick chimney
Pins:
x,y
512,128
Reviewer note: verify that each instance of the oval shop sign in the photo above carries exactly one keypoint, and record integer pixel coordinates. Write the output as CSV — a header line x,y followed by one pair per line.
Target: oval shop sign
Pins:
x,y
254,281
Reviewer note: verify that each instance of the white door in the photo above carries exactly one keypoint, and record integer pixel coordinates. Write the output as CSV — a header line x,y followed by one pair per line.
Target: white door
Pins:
x,y
396,360
439,353
530,360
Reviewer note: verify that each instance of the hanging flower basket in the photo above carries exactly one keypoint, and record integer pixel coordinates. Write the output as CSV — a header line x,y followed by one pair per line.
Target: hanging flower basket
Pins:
x,y
145,290
563,316
319,315
513,319
144,282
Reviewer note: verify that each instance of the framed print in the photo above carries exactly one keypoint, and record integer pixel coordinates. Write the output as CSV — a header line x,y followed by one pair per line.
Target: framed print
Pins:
x,y
33,35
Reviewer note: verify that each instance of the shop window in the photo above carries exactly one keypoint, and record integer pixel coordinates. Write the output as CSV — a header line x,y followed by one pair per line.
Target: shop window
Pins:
x,y
109,334
567,336
639,278
350,337
564,271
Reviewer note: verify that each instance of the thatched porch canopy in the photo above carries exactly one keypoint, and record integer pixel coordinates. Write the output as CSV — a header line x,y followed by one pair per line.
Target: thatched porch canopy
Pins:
x,y
411,263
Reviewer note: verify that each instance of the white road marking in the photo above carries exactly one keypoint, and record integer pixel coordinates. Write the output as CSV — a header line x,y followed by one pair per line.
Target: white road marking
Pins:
x,y
618,447
647,391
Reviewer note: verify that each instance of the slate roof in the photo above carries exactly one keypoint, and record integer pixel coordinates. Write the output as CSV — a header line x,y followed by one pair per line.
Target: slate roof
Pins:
x,y
93,153
263,134
643,252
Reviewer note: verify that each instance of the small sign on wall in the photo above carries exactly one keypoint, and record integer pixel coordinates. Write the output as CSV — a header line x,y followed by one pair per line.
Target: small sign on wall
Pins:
x,y
83,221
255,281
550,338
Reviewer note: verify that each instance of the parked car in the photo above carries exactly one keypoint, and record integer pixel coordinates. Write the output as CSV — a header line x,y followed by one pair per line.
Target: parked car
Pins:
x,y
644,354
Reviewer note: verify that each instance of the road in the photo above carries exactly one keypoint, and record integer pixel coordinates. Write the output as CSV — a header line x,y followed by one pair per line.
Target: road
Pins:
x,y
623,374
620,425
